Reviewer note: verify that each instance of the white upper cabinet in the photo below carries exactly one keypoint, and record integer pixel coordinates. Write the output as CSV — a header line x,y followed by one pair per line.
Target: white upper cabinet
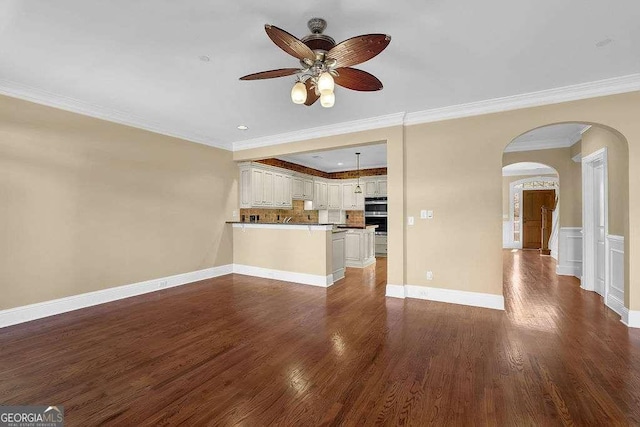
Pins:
x,y
264,187
350,199
320,198
376,187
308,189
335,195
298,188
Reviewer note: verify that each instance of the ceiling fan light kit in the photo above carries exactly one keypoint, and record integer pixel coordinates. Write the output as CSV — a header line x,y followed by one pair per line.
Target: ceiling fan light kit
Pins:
x,y
324,64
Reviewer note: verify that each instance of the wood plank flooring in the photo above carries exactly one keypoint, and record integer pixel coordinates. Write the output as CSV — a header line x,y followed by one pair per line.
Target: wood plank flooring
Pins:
x,y
238,350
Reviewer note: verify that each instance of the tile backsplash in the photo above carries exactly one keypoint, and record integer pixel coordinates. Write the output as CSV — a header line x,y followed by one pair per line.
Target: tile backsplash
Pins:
x,y
355,218
297,214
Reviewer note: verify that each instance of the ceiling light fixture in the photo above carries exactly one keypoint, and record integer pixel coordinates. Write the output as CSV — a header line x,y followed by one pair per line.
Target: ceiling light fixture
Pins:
x,y
324,64
358,190
243,127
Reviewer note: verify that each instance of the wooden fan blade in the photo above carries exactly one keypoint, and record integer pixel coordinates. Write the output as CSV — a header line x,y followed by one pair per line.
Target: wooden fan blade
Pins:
x,y
358,49
289,43
355,79
282,72
311,94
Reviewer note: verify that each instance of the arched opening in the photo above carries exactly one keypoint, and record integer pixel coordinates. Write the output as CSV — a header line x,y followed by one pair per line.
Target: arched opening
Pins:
x,y
590,238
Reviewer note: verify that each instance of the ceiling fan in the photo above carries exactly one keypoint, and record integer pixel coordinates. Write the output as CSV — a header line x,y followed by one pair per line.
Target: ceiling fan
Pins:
x,y
323,63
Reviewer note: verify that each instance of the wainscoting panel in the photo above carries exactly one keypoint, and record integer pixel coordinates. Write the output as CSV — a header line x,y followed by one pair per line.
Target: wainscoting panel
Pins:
x,y
615,258
570,252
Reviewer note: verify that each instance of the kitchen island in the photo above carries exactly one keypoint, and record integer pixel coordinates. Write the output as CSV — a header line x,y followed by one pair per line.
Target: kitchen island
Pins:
x,y
311,254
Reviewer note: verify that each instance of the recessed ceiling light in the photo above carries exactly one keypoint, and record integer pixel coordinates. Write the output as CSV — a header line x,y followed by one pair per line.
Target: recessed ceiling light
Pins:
x,y
204,58
243,127
340,164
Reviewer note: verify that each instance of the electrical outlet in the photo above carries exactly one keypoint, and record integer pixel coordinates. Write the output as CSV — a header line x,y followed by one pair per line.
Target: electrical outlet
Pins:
x,y
234,214
429,275
410,220
162,284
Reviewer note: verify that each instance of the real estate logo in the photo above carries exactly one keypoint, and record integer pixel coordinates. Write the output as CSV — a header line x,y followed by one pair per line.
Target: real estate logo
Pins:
x,y
31,416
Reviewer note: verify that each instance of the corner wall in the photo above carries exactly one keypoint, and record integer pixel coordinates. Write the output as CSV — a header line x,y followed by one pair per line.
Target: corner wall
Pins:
x,y
87,205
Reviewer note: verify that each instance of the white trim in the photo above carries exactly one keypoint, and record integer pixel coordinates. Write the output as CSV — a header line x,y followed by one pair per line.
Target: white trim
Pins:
x,y
379,122
615,275
532,171
539,144
577,158
285,276
588,219
569,252
612,86
309,227
360,264
395,291
452,296
50,99
39,310
631,318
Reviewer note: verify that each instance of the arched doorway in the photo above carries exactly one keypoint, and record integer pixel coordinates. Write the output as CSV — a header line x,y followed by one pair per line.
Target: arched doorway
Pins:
x,y
591,162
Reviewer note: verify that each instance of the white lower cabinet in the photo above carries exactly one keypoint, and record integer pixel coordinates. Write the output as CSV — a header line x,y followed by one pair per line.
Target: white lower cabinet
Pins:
x,y
381,245
338,255
360,247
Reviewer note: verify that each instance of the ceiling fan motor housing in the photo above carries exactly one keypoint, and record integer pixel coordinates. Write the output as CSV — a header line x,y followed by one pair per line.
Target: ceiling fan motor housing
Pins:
x,y
316,40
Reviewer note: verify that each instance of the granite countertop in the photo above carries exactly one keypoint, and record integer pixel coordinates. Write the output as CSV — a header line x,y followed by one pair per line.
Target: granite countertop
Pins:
x,y
356,227
278,223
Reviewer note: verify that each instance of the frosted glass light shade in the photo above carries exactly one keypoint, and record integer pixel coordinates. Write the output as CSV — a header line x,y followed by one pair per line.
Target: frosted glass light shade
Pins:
x,y
325,83
327,100
299,93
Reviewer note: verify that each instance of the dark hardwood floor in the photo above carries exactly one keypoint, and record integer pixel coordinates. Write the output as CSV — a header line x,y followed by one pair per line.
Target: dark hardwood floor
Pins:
x,y
248,351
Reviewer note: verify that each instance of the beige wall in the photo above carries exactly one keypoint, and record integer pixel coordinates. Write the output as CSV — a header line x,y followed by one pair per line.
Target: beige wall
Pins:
x,y
87,204
506,180
454,167
569,178
298,251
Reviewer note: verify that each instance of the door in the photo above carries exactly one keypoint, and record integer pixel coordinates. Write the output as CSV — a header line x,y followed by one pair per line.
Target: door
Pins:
x,y
267,189
278,189
298,188
532,202
599,217
257,187
287,192
308,189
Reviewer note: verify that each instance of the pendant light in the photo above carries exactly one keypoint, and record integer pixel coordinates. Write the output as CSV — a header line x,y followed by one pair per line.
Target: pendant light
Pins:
x,y
358,190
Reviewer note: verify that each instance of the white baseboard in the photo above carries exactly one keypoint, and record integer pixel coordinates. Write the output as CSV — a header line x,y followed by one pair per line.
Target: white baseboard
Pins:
x,y
358,264
631,318
338,275
395,291
616,305
39,310
475,299
554,254
286,276
569,270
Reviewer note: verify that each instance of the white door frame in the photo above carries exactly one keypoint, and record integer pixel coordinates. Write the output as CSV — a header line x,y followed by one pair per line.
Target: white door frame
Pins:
x,y
588,221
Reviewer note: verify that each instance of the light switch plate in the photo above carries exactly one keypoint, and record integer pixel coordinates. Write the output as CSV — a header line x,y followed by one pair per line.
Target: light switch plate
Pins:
x,y
429,214
423,214
429,275
410,220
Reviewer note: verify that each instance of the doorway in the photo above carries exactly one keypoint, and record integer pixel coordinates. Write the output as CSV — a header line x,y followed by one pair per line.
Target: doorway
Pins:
x,y
533,201
595,213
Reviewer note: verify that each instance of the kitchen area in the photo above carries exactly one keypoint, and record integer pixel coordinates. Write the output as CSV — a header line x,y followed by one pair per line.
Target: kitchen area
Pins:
x,y
306,217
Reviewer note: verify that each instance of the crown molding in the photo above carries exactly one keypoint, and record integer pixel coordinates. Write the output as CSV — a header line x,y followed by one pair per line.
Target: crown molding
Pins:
x,y
378,122
529,172
576,92
50,99
539,144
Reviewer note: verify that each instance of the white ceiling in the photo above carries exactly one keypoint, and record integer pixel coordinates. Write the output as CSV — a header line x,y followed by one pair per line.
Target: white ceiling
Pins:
x,y
344,159
139,61
527,168
548,137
